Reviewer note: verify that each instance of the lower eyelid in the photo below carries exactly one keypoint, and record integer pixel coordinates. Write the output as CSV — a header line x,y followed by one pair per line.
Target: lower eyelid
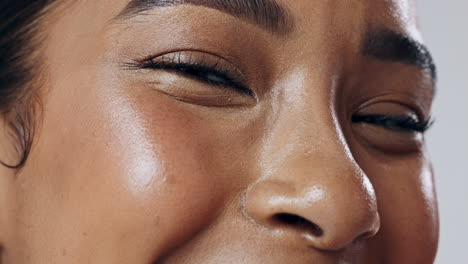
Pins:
x,y
186,90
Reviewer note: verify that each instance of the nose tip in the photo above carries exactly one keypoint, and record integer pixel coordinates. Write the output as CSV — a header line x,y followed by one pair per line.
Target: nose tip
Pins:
x,y
322,219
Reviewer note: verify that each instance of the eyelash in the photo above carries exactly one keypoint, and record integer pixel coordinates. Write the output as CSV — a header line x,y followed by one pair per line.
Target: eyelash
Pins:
x,y
395,123
211,73
201,70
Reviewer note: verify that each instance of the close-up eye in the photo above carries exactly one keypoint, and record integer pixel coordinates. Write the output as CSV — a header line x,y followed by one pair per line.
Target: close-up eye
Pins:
x,y
202,67
390,126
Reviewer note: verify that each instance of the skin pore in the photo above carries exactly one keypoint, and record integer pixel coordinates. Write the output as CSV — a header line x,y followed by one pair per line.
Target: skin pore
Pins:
x,y
179,133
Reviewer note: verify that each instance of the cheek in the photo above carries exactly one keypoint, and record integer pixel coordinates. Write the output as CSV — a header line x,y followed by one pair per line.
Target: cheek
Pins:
x,y
159,160
134,174
407,207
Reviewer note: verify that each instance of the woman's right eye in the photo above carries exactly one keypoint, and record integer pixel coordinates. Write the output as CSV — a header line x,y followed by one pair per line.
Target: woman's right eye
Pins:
x,y
202,68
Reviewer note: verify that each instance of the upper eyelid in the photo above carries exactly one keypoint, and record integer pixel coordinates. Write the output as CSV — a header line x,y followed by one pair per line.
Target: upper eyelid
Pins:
x,y
232,60
200,64
413,107
221,60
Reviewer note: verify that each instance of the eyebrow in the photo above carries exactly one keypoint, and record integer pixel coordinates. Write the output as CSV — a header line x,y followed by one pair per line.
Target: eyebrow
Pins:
x,y
392,46
268,14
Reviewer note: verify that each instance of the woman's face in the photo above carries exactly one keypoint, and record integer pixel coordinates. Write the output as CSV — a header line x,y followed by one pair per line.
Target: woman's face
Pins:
x,y
205,131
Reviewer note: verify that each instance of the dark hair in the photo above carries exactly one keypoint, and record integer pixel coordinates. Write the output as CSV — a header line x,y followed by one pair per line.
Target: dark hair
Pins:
x,y
19,60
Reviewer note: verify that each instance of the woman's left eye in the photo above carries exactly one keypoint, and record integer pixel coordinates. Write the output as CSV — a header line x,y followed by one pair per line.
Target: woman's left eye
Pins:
x,y
394,122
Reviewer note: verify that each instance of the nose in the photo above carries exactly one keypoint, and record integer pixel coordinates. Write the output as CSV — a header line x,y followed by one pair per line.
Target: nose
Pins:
x,y
325,202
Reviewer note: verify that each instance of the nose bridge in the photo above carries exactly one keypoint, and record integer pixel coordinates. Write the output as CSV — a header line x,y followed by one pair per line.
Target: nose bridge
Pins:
x,y
305,124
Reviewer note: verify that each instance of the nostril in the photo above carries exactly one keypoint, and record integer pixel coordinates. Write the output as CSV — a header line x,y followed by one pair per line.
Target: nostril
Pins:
x,y
298,222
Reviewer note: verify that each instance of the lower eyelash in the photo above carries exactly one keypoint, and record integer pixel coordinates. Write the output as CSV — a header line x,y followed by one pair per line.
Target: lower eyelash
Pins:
x,y
396,123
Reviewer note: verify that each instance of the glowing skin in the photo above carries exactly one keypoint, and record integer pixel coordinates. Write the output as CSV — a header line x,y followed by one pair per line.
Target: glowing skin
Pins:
x,y
139,165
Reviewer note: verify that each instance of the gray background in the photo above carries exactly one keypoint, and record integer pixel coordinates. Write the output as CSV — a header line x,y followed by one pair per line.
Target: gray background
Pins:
x,y
445,27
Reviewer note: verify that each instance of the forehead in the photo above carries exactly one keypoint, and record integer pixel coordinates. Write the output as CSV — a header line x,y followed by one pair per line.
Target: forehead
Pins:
x,y
397,13
351,21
